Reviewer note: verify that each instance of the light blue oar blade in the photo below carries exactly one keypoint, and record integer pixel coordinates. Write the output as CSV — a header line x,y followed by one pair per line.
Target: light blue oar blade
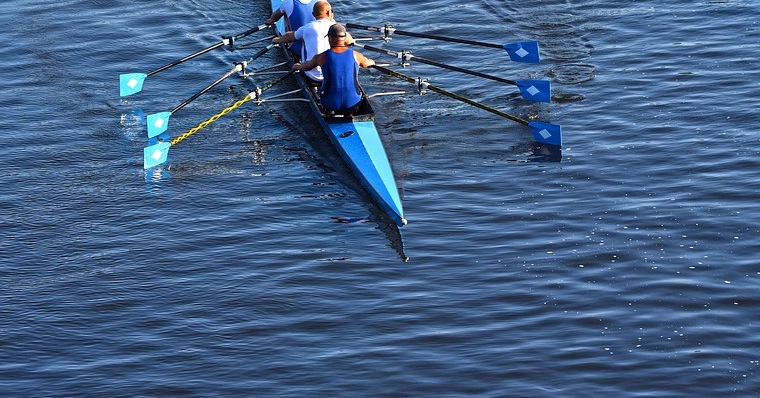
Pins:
x,y
524,51
546,133
156,154
535,90
157,123
130,83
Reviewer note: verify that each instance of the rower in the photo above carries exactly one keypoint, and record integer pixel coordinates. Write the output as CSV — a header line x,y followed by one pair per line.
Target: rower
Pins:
x,y
313,35
340,90
298,13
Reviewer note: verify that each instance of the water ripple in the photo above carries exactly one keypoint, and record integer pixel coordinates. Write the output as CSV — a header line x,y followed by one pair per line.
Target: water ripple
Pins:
x,y
624,265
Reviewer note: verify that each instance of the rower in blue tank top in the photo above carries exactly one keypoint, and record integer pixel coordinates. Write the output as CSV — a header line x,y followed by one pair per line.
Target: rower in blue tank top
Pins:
x,y
340,83
299,13
314,37
340,90
302,14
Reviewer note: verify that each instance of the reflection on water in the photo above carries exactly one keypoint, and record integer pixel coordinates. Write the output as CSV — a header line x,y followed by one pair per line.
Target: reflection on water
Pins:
x,y
256,150
156,175
627,269
546,153
391,231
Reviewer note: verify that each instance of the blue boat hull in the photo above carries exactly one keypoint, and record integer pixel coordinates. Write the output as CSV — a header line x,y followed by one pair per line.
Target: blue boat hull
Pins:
x,y
358,142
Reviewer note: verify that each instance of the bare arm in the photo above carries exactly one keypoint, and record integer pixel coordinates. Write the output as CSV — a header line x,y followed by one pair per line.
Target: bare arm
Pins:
x,y
276,15
317,60
363,61
288,37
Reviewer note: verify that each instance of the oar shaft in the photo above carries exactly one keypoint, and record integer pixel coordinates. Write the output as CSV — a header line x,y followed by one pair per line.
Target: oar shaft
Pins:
x,y
461,70
261,52
441,65
451,95
390,31
249,31
224,42
189,57
376,49
443,38
476,104
237,68
232,71
276,81
230,108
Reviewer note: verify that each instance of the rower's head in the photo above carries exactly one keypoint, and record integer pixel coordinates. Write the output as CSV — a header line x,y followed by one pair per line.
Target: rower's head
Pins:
x,y
337,35
322,10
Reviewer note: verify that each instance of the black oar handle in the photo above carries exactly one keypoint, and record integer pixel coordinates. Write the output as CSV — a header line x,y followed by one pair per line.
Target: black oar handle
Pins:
x,y
388,30
450,94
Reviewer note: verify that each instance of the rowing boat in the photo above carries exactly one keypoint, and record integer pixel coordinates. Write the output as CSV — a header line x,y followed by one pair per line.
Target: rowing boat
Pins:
x,y
357,140
354,136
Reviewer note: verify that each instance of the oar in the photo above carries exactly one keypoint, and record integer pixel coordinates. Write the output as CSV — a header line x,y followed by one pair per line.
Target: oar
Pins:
x,y
156,154
131,83
524,51
533,90
545,133
159,122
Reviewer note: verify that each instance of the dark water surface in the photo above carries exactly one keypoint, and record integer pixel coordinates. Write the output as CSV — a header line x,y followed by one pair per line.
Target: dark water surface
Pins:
x,y
627,267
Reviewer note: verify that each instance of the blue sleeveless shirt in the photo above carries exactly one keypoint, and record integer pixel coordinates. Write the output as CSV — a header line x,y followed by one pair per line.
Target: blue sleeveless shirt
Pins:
x,y
340,87
301,15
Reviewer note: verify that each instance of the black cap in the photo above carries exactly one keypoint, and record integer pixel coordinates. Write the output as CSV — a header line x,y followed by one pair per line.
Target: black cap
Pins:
x,y
337,30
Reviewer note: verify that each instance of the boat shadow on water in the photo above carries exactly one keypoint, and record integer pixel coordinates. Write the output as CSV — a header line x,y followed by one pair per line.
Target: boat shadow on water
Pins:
x,y
324,155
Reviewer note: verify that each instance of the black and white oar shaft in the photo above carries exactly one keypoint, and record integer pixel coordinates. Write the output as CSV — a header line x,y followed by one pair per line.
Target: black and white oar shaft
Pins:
x,y
524,51
532,90
545,133
131,83
157,153
157,123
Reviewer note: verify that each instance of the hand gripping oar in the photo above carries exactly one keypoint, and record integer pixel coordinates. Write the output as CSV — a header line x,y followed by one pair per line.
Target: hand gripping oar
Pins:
x,y
533,90
156,154
524,51
159,122
131,83
545,133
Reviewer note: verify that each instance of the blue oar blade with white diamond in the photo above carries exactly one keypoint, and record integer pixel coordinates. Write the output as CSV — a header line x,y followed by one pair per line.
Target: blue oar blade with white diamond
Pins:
x,y
155,155
157,123
524,51
546,133
535,90
130,83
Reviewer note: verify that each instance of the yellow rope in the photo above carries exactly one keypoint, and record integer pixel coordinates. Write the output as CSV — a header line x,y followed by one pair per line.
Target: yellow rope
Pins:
x,y
210,120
